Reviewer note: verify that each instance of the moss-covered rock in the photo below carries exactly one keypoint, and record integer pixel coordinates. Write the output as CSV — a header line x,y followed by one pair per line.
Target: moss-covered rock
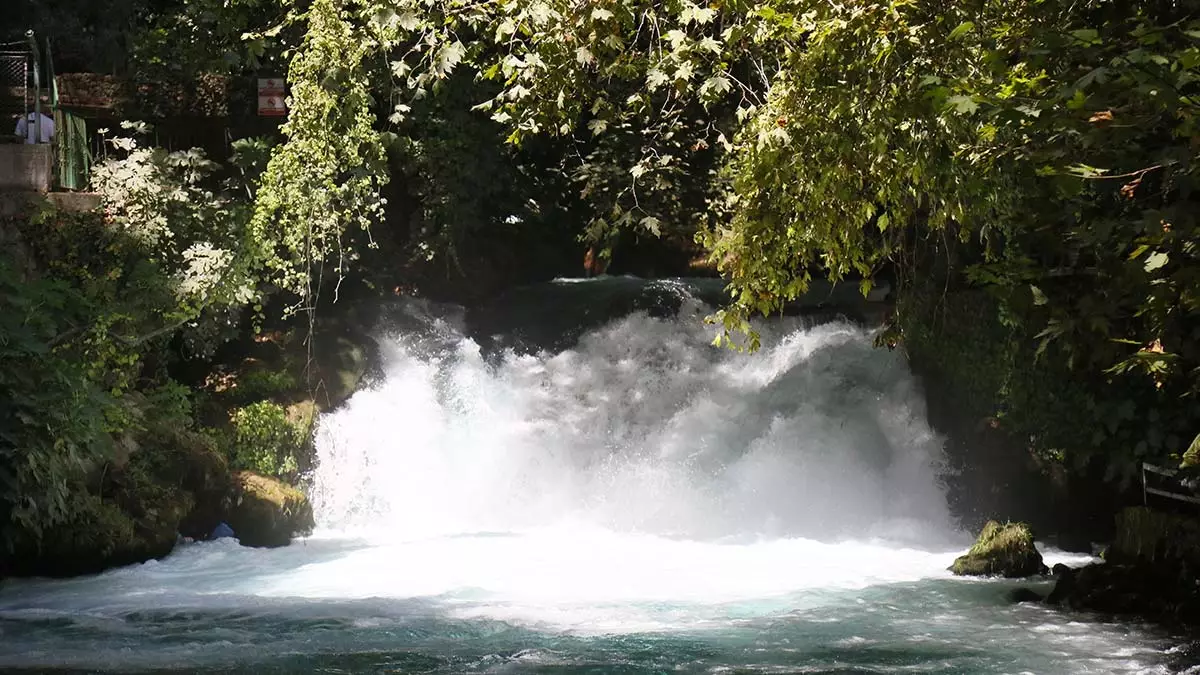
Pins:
x,y
340,361
265,512
156,509
203,470
136,524
1001,550
171,480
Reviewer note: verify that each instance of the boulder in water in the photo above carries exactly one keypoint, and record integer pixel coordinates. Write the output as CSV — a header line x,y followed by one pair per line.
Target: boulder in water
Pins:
x,y
1064,588
267,513
1019,595
1001,550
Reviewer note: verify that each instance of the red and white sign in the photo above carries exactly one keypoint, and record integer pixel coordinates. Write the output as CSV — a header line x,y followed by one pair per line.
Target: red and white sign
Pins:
x,y
271,96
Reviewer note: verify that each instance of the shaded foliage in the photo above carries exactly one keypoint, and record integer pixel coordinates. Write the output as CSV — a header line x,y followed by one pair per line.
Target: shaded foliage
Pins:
x,y
264,440
55,418
1042,151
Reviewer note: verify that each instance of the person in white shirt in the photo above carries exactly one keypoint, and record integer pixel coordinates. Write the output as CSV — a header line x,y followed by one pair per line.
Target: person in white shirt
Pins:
x,y
27,127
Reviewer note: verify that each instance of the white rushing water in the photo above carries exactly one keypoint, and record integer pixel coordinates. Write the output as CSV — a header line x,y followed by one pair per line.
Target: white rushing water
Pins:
x,y
643,427
640,502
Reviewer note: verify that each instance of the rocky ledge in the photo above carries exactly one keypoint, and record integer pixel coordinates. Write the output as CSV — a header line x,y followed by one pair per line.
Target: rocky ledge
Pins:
x,y
1150,571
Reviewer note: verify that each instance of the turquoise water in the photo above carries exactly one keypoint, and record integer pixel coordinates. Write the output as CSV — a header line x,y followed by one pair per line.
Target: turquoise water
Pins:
x,y
217,607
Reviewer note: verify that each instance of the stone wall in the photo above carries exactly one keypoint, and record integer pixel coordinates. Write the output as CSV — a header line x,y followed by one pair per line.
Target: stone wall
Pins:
x,y
26,167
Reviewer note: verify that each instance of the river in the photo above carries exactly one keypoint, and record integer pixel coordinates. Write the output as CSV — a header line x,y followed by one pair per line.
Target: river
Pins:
x,y
607,494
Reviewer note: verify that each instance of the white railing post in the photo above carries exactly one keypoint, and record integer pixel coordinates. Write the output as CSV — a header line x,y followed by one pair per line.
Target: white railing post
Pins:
x,y
37,86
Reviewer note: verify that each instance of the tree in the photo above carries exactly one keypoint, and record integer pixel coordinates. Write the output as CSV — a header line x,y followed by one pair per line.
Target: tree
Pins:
x,y
1041,151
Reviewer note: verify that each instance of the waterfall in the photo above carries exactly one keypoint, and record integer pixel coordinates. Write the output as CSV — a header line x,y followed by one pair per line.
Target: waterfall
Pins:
x,y
641,426
590,486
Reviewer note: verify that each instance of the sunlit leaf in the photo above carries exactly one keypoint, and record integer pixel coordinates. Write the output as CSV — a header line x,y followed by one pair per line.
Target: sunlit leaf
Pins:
x,y
1156,260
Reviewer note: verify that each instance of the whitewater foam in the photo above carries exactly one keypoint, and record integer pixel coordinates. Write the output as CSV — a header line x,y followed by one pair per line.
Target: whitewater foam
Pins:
x,y
642,427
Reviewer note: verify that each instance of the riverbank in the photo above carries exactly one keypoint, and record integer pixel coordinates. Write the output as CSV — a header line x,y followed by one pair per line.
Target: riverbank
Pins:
x,y
1150,571
1147,573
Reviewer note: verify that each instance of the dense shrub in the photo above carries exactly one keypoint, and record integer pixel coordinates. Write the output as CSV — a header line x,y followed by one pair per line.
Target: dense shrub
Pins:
x,y
264,440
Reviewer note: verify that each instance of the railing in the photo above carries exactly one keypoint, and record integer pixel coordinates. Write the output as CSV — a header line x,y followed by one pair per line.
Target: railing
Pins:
x,y
14,82
1148,490
21,77
53,151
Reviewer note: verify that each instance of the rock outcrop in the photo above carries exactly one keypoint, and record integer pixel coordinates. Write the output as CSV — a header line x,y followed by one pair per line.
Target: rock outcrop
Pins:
x,y
162,481
267,513
1150,570
1001,550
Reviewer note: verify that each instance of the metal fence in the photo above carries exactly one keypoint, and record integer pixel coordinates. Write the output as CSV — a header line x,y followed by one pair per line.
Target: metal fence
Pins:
x,y
14,65
15,81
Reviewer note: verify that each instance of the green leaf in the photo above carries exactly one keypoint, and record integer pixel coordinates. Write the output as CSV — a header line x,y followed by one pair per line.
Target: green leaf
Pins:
x,y
385,17
409,21
448,57
962,104
1156,260
708,44
1039,298
684,72
676,37
693,13
1093,76
715,85
1085,171
962,29
1191,457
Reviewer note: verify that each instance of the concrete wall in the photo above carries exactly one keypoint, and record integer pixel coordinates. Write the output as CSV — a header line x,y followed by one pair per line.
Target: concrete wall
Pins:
x,y
74,202
21,203
15,209
26,167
